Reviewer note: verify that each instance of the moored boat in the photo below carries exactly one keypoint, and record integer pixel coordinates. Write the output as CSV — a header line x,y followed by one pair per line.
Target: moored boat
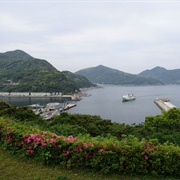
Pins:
x,y
128,97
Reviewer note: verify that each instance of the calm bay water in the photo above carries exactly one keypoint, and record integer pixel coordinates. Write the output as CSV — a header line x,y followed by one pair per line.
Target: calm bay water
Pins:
x,y
107,102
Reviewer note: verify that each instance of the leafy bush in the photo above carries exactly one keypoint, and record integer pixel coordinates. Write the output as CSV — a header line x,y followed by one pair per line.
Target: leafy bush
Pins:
x,y
164,127
67,129
107,155
62,177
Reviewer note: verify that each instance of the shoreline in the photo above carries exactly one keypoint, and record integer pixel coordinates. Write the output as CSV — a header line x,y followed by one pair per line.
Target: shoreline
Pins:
x,y
37,95
76,96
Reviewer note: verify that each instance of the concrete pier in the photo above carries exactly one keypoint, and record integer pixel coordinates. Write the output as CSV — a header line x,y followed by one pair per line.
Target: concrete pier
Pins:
x,y
51,109
74,97
164,104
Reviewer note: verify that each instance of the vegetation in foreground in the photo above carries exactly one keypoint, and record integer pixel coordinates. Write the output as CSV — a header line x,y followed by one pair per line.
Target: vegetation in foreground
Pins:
x,y
15,168
27,135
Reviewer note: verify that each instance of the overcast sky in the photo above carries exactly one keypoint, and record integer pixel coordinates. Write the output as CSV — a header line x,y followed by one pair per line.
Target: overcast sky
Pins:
x,y
130,36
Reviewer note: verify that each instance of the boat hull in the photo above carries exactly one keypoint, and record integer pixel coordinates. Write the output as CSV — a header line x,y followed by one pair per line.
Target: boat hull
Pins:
x,y
129,97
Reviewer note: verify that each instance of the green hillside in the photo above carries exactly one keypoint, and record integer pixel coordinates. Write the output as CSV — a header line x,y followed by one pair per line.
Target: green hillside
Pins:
x,y
79,80
20,72
164,75
106,75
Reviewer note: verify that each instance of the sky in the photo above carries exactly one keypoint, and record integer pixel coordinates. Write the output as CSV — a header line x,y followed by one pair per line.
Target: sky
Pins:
x,y
130,36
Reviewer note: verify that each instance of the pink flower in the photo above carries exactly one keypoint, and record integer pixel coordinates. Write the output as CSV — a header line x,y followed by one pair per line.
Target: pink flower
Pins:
x,y
52,140
101,149
91,144
88,155
70,139
8,138
43,134
146,157
85,144
43,143
78,148
30,147
58,136
28,140
54,134
32,136
30,151
38,139
65,152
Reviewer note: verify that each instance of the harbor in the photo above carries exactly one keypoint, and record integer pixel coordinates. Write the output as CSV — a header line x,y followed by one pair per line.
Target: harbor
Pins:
x,y
51,109
105,102
164,104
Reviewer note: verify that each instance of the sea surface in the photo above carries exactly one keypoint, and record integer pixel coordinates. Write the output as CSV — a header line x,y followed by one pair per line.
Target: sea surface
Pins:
x,y
107,102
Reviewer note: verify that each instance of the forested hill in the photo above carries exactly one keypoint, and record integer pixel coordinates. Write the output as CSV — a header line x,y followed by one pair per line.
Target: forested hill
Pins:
x,y
79,80
164,75
106,75
20,72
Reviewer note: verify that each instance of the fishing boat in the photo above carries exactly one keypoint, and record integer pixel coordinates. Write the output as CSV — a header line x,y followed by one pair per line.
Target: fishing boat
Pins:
x,y
128,97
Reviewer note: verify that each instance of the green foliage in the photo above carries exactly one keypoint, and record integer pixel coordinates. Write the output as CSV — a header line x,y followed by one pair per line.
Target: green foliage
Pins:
x,y
91,142
62,177
80,81
106,155
23,114
31,75
93,125
164,127
6,109
67,129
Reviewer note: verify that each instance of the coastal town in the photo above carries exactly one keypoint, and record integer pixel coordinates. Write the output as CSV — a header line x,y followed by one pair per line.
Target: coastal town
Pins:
x,y
52,108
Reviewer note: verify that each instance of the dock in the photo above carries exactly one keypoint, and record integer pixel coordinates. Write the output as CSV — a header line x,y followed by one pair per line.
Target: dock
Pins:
x,y
51,109
69,106
164,104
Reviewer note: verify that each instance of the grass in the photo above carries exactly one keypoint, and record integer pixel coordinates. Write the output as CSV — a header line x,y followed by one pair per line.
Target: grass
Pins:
x,y
15,168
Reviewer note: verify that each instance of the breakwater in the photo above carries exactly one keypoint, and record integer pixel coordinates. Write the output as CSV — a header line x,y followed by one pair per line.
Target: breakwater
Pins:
x,y
74,97
164,104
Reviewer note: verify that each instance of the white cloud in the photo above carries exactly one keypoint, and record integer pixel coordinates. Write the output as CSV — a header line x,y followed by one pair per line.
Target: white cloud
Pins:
x,y
9,22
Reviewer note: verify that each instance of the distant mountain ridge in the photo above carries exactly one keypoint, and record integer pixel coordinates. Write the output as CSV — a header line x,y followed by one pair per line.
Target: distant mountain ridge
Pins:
x,y
20,72
162,74
105,75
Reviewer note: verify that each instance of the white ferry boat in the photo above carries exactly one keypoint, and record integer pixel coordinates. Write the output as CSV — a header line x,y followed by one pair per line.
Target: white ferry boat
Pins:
x,y
128,97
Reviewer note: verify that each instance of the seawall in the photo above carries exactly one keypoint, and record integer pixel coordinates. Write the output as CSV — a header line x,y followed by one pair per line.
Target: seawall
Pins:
x,y
164,104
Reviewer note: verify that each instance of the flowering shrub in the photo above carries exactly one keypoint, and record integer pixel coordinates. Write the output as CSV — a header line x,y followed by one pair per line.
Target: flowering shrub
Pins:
x,y
108,155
